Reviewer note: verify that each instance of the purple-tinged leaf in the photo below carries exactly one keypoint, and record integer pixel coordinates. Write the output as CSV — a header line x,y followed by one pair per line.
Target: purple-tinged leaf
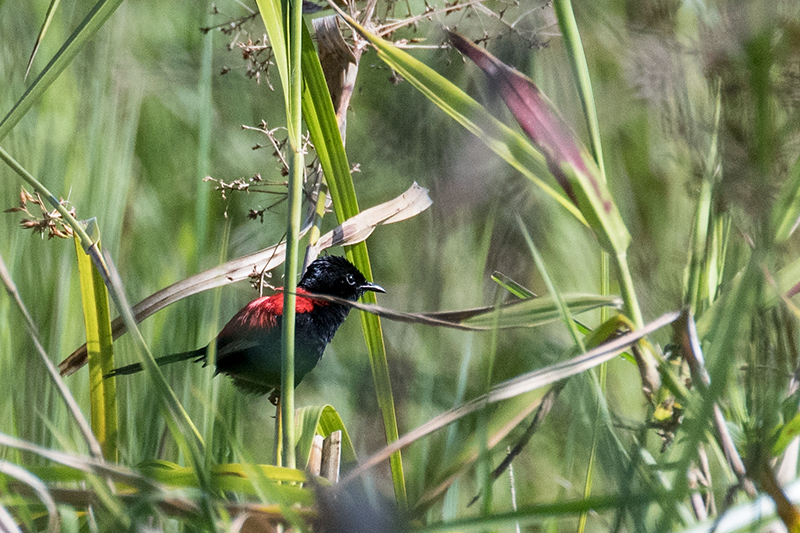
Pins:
x,y
567,158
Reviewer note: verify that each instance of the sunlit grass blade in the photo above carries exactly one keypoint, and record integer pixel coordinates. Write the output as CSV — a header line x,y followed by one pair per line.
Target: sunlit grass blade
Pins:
x,y
273,16
324,130
95,20
99,342
284,488
512,286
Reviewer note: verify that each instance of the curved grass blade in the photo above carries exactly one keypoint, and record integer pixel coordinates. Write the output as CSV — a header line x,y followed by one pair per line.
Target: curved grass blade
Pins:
x,y
520,385
412,202
38,487
567,158
7,521
517,314
509,145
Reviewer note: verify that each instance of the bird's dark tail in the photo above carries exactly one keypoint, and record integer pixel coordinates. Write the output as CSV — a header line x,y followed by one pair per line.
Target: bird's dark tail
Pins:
x,y
198,356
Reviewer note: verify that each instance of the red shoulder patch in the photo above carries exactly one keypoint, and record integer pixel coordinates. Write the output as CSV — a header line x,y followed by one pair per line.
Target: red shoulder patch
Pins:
x,y
304,304
262,313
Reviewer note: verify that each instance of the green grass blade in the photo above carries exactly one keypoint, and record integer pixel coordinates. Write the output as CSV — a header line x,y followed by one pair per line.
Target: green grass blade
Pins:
x,y
99,342
512,286
48,18
324,129
99,14
320,420
561,305
577,60
272,15
702,263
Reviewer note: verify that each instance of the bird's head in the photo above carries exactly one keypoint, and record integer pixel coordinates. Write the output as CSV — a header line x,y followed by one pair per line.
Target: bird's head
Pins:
x,y
336,276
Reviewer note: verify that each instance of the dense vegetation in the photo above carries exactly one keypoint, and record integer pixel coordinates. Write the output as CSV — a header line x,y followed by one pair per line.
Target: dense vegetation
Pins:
x,y
663,168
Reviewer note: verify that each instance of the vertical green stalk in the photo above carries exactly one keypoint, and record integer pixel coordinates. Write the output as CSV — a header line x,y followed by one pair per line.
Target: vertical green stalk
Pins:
x,y
626,288
296,164
696,295
204,120
577,60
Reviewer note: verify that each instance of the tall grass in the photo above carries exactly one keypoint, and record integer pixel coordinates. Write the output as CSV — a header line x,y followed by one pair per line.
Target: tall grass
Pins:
x,y
696,110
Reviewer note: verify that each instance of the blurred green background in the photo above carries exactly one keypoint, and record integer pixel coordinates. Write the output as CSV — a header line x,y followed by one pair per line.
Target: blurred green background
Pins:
x,y
130,129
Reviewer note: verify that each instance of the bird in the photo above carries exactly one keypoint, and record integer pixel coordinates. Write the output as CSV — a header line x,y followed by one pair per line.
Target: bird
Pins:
x,y
249,347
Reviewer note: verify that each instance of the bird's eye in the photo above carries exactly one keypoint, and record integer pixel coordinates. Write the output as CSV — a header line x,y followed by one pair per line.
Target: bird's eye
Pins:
x,y
350,279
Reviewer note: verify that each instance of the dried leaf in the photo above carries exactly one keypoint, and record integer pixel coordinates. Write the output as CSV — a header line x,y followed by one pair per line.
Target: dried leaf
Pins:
x,y
412,202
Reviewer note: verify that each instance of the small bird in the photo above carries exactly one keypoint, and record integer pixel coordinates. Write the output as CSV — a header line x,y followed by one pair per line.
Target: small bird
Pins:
x,y
249,347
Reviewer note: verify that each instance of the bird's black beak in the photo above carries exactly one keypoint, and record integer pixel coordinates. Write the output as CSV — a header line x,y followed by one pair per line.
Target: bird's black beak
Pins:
x,y
372,287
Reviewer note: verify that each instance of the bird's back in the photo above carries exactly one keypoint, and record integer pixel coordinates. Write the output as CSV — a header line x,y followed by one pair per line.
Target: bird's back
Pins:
x,y
250,352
